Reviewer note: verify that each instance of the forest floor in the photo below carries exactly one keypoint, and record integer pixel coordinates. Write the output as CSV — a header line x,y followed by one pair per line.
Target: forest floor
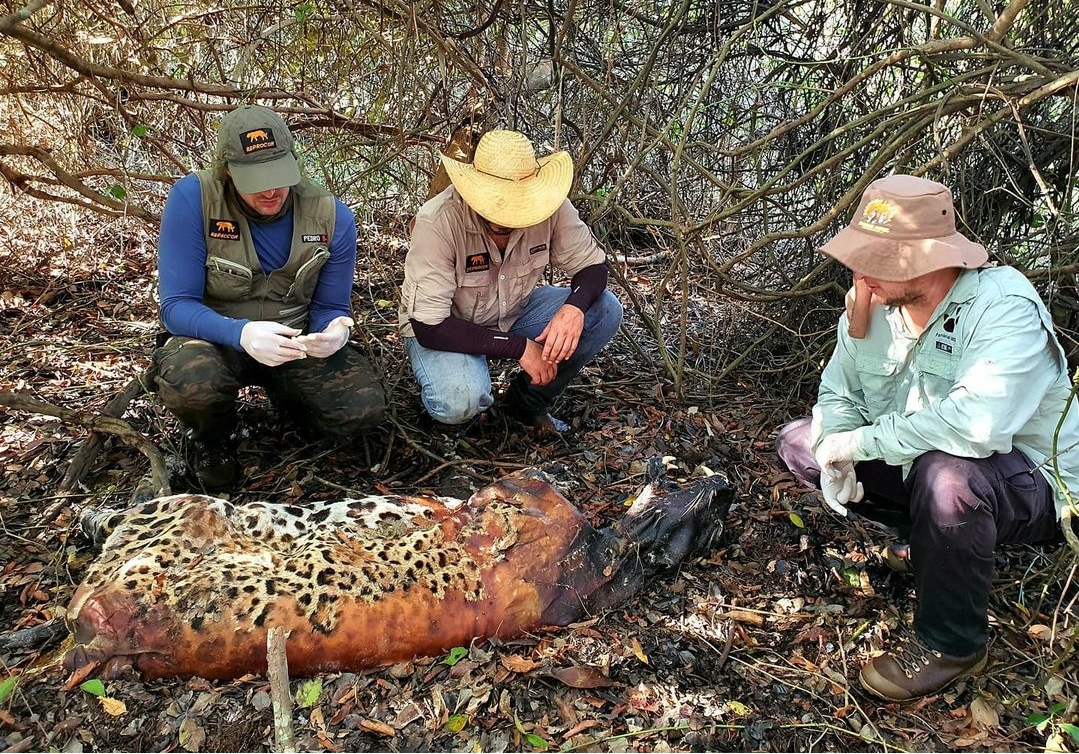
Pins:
x,y
754,647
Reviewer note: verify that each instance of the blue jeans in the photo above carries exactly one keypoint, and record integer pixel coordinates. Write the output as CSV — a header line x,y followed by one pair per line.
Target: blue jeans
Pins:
x,y
454,387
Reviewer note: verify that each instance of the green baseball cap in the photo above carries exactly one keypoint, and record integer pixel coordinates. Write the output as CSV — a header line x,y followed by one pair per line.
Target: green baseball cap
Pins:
x,y
257,147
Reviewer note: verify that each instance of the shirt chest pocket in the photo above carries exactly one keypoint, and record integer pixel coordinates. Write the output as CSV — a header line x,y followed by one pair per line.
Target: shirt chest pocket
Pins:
x,y
880,380
525,277
938,376
474,291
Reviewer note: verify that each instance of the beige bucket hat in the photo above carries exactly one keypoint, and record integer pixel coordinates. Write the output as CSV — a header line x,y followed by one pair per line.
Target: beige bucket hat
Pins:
x,y
904,227
507,184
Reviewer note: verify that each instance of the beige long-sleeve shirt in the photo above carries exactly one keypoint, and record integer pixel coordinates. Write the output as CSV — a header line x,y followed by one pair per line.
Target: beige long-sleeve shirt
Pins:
x,y
454,268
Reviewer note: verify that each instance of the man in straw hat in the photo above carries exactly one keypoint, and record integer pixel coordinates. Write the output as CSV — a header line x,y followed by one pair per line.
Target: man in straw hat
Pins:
x,y
477,251
943,414
255,268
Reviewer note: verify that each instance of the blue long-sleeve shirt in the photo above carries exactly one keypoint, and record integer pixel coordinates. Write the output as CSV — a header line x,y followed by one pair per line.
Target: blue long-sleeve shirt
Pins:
x,y
181,267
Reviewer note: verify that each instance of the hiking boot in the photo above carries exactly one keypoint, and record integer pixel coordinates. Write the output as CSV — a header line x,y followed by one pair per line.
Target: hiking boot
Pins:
x,y
912,670
214,463
545,424
897,557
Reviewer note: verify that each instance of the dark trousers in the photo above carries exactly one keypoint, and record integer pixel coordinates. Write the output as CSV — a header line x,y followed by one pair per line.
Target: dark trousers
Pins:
x,y
198,381
957,510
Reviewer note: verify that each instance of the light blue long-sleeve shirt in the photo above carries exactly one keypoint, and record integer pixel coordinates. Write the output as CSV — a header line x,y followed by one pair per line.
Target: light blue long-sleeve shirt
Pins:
x,y
986,375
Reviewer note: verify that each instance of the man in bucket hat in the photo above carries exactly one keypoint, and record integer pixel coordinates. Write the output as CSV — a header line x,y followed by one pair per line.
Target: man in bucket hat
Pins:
x,y
255,268
939,414
477,251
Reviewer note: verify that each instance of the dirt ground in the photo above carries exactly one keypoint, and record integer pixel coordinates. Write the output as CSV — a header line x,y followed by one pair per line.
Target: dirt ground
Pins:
x,y
754,647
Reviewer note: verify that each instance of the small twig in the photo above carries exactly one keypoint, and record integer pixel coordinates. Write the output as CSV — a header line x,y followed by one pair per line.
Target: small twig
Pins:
x,y
277,670
465,462
726,646
335,486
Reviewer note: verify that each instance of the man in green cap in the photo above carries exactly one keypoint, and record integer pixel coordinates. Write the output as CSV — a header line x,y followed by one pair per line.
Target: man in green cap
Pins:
x,y
255,267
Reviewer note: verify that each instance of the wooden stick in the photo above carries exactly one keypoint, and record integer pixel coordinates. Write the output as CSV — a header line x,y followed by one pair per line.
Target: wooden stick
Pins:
x,y
36,637
277,669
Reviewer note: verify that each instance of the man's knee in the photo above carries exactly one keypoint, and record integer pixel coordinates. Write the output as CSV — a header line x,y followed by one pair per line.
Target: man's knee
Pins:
x,y
606,314
190,373
342,397
945,490
457,404
363,412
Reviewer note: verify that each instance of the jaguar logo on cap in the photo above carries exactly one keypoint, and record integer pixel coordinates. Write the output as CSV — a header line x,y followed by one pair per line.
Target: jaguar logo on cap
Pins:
x,y
257,139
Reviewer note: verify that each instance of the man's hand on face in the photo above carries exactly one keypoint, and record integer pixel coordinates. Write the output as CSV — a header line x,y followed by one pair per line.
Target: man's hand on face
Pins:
x,y
539,369
324,344
271,343
562,334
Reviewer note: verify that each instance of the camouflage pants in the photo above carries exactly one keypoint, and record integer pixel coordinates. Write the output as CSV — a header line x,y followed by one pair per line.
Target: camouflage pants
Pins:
x,y
198,381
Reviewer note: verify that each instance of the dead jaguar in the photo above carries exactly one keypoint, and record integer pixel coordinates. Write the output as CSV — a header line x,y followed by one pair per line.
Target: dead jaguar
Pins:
x,y
189,584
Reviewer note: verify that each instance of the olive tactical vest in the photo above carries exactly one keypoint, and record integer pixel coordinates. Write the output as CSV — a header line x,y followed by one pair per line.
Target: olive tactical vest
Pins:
x,y
236,285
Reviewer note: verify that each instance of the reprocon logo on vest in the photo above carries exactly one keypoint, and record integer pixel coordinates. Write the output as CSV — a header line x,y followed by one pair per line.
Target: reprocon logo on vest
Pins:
x,y
224,230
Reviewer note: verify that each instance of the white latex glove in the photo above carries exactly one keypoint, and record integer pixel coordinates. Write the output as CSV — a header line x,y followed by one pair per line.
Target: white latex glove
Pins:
x,y
838,482
839,486
328,342
271,343
835,449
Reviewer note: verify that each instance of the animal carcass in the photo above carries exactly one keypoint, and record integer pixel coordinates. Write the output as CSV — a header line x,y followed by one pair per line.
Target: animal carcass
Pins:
x,y
189,584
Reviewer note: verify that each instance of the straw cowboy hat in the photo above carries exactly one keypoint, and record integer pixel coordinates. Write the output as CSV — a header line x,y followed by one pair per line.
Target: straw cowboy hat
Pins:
x,y
904,227
507,184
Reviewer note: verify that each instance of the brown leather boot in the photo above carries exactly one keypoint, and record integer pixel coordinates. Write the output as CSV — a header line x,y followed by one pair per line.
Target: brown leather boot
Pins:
x,y
897,557
912,670
214,463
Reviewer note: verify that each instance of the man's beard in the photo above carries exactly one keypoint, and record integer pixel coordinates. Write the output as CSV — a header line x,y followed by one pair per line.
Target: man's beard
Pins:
x,y
907,298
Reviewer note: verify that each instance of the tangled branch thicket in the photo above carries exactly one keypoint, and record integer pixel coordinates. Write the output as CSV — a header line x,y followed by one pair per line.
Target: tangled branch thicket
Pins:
x,y
725,140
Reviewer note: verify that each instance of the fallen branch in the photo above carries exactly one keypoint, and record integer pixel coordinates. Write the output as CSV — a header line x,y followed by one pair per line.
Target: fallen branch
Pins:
x,y
36,637
159,474
642,258
80,464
